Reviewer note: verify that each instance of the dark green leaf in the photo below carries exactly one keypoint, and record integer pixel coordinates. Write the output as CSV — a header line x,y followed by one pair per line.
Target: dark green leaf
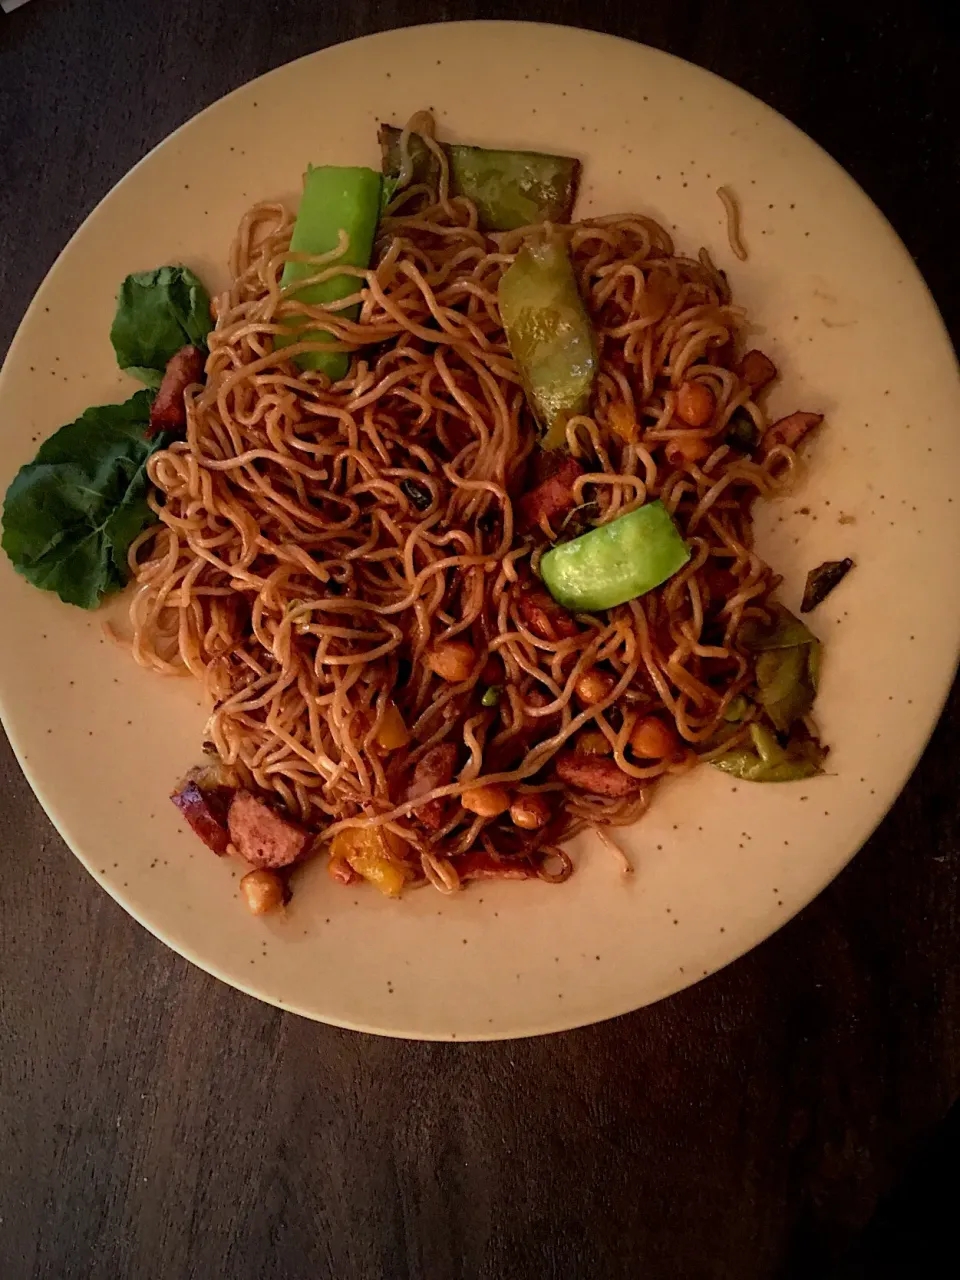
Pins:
x,y
419,494
71,514
822,580
158,312
742,433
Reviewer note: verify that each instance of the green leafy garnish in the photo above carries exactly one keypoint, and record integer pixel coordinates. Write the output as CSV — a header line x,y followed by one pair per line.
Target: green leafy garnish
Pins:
x,y
158,312
71,514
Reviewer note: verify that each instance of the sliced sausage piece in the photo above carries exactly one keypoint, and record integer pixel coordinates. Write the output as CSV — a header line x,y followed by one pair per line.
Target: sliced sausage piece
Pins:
x,y
597,774
789,430
756,370
205,810
477,865
553,496
542,614
435,769
261,836
168,411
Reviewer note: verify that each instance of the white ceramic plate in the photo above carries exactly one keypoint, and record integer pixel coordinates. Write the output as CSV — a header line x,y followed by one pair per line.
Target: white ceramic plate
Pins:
x,y
839,306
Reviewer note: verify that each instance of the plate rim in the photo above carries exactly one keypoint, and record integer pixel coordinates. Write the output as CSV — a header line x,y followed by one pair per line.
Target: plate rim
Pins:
x,y
555,1024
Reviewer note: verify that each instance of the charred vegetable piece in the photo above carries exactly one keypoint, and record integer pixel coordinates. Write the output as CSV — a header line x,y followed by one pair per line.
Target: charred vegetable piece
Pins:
x,y
510,188
788,667
822,580
334,200
419,494
550,336
742,433
765,760
617,561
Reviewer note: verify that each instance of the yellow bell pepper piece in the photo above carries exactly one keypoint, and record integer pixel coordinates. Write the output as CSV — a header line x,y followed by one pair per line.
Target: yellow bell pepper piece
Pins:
x,y
393,733
368,850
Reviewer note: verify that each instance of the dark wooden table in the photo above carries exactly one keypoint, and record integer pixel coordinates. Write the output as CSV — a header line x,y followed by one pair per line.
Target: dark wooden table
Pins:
x,y
154,1123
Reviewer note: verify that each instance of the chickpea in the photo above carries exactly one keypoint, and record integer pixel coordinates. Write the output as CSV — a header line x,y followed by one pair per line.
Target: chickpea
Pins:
x,y
695,404
262,891
592,743
652,739
451,660
594,685
486,802
530,812
683,449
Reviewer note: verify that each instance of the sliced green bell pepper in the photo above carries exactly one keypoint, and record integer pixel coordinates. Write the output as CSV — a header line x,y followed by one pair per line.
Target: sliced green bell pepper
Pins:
x,y
615,562
550,335
510,188
334,199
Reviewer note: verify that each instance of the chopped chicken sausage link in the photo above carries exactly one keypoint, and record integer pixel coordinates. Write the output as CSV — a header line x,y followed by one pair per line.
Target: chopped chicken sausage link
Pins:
x,y
599,775
168,411
261,836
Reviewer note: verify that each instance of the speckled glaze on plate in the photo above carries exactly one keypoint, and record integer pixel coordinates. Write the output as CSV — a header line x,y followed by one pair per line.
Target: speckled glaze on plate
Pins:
x,y
837,303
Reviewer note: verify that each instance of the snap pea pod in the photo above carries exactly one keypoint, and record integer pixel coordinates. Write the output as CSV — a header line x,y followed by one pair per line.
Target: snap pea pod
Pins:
x,y
334,199
550,336
788,667
510,188
766,761
615,562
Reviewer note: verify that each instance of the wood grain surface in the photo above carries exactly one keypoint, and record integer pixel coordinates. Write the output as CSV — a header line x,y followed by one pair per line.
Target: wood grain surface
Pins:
x,y
155,1123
